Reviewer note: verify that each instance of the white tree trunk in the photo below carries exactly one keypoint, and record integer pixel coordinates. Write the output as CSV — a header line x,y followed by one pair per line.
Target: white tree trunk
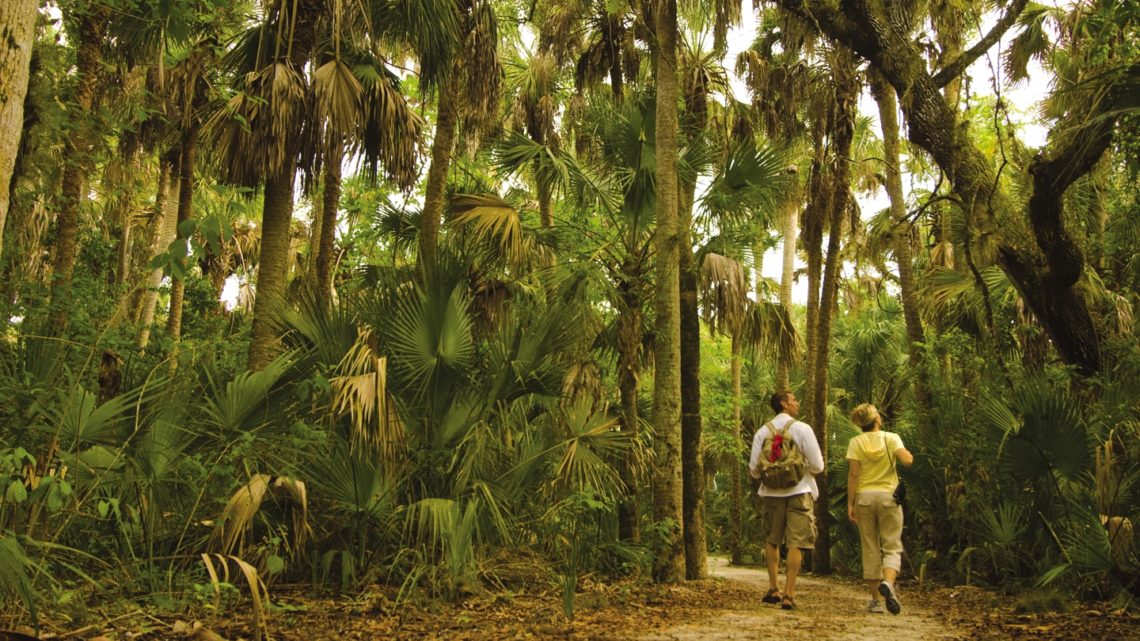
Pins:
x,y
167,229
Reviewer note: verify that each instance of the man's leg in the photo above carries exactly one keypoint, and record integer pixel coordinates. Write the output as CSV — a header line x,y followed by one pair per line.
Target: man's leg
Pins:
x,y
775,510
772,557
792,568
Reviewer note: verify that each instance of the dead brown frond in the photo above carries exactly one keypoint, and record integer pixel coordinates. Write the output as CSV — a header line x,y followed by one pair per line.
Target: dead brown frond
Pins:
x,y
768,327
236,520
360,391
338,99
724,286
258,591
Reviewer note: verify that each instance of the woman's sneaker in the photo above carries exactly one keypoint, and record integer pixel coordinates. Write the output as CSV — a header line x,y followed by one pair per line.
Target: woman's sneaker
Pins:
x,y
892,600
875,606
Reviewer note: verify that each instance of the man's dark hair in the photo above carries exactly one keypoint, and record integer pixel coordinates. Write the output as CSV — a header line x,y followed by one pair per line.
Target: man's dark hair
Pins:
x,y
778,399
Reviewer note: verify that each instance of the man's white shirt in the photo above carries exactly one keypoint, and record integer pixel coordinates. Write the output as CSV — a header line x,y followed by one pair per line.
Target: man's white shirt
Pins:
x,y
805,440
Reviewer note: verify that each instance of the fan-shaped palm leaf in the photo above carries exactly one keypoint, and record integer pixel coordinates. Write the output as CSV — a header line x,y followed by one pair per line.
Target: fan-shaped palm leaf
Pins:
x,y
430,337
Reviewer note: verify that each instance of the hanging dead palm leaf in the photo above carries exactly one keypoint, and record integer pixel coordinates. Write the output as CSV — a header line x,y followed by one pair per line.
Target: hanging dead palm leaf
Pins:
x,y
237,516
360,391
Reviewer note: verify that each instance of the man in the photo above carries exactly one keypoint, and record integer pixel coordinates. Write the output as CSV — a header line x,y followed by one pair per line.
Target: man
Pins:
x,y
791,511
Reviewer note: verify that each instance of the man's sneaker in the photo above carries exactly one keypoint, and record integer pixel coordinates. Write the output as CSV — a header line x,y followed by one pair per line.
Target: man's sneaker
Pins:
x,y
876,606
888,592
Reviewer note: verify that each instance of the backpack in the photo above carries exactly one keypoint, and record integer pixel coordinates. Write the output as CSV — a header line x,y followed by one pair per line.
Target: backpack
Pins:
x,y
781,459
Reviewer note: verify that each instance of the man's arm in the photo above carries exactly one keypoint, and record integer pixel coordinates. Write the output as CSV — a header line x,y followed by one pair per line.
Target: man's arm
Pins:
x,y
812,454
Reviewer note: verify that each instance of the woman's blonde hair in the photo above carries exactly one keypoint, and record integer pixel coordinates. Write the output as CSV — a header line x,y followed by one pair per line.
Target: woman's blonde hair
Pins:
x,y
865,416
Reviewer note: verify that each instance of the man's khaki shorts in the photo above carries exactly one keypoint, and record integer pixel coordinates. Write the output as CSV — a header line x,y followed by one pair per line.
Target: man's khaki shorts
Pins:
x,y
792,520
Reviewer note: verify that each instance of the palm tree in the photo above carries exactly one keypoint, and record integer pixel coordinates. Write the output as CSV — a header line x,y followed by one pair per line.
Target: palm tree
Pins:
x,y
888,120
463,65
843,131
18,21
259,132
669,565
89,19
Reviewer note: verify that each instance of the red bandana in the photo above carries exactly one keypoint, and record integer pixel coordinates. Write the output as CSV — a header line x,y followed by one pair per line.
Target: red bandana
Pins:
x,y
777,447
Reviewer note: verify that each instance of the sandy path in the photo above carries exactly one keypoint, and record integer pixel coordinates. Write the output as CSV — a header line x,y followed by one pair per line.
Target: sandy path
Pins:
x,y
829,609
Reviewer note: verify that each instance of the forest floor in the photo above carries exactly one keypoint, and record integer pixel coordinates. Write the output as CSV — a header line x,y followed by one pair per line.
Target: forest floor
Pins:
x,y
726,607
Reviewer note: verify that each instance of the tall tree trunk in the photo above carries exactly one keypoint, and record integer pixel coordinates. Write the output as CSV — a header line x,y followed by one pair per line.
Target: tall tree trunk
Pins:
x,y
629,334
164,228
669,562
330,204
273,266
846,94
812,236
888,120
787,274
189,152
92,25
441,145
692,447
736,477
18,25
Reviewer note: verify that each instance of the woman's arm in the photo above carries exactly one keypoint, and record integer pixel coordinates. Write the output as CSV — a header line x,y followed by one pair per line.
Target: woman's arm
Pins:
x,y
853,468
904,456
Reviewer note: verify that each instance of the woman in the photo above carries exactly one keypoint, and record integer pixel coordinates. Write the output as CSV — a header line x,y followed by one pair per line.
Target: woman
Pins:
x,y
871,482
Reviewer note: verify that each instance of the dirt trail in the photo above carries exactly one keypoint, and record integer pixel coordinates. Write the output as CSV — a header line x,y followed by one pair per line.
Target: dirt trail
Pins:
x,y
829,609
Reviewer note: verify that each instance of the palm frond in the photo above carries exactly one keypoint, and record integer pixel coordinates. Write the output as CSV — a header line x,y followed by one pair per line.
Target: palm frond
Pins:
x,y
14,566
490,217
236,519
724,287
360,391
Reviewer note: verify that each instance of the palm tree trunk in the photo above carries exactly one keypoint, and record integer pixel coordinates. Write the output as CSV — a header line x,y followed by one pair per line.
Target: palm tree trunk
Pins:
x,y
787,273
736,518
163,230
330,203
441,146
669,562
273,266
92,25
185,212
629,332
812,237
846,94
692,448
888,119
545,204
18,23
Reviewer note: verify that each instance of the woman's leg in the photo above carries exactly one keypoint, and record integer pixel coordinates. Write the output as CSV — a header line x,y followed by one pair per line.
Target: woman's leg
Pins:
x,y
867,519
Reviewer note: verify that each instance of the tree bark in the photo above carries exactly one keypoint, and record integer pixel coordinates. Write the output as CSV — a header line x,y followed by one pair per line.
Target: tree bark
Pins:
x,y
889,122
330,204
545,205
441,145
18,28
92,25
669,562
272,268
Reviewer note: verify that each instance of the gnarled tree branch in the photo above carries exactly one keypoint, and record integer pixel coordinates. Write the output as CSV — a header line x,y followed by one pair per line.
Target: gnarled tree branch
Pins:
x,y
959,64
